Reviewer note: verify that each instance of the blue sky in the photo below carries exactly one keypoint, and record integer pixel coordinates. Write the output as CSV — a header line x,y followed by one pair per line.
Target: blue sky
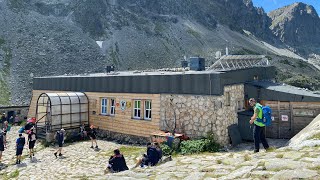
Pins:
x,y
269,5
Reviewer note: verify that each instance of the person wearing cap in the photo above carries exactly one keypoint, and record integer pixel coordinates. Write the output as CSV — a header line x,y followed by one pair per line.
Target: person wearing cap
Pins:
x,y
93,136
259,127
60,139
19,146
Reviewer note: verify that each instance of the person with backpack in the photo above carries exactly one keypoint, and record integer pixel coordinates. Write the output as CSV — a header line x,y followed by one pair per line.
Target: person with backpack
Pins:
x,y
259,126
31,141
2,145
60,139
93,136
19,145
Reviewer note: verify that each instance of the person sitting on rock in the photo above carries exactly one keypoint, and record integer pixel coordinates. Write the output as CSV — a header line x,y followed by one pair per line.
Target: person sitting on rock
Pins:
x,y
149,159
117,163
159,151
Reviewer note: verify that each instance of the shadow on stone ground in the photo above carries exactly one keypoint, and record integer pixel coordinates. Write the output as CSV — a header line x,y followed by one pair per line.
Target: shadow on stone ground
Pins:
x,y
249,145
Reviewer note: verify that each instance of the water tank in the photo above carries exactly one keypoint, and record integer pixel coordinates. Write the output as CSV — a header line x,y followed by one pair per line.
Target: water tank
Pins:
x,y
197,64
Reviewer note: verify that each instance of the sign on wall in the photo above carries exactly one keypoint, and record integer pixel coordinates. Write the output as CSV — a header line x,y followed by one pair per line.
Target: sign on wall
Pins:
x,y
284,118
123,105
128,104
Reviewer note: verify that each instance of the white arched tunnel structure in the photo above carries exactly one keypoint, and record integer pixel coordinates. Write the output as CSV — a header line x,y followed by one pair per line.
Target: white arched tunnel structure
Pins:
x,y
61,110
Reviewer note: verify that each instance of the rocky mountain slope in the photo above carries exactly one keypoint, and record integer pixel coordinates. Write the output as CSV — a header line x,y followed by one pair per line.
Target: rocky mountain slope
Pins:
x,y
50,37
35,45
297,25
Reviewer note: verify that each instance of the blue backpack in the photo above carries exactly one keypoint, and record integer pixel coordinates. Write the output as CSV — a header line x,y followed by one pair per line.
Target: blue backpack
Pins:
x,y
266,115
21,130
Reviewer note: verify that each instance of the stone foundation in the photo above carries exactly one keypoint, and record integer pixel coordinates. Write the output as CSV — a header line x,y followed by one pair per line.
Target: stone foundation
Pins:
x,y
122,138
196,116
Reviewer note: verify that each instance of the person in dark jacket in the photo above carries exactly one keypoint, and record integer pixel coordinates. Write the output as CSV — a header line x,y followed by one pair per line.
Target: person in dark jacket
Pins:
x,y
2,144
117,163
31,142
60,139
151,158
93,136
19,145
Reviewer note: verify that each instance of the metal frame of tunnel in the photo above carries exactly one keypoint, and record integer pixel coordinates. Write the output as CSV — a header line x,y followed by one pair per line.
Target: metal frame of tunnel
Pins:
x,y
44,115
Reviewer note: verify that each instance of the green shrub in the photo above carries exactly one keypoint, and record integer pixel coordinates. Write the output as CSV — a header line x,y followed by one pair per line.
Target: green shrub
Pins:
x,y
166,150
197,146
212,145
193,146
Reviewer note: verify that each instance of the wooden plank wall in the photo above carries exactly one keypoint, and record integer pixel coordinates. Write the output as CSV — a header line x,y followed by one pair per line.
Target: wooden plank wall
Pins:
x,y
122,121
299,114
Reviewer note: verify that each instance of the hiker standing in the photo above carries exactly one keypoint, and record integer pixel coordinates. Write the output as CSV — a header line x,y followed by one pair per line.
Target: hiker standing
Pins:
x,y
60,139
3,118
2,144
83,132
259,127
31,141
93,136
19,145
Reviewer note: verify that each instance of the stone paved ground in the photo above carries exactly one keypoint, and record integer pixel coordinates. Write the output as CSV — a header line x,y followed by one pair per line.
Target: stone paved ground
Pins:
x,y
82,162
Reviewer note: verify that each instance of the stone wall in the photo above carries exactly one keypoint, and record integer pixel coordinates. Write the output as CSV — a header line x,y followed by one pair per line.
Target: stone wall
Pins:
x,y
122,138
196,115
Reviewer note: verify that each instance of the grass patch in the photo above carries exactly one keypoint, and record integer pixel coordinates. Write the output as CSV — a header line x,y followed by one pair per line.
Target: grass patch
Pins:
x,y
127,151
279,156
245,51
211,175
2,41
271,149
278,169
307,154
14,174
247,157
316,168
4,76
194,33
219,161
316,136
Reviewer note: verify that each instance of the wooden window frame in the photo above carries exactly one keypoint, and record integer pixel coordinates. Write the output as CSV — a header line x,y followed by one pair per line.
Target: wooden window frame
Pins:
x,y
147,109
138,109
104,106
112,107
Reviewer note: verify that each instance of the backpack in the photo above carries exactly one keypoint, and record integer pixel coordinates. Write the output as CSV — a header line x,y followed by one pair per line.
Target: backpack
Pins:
x,y
21,130
266,115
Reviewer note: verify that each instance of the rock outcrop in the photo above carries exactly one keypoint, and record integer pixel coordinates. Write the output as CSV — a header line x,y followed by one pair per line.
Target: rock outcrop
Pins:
x,y
297,25
309,136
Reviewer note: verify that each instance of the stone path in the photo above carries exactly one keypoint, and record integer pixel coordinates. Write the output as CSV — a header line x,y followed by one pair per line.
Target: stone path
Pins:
x,y
82,162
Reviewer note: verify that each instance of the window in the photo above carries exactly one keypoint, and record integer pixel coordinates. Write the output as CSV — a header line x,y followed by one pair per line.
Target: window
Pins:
x,y
137,109
104,105
147,109
227,103
112,106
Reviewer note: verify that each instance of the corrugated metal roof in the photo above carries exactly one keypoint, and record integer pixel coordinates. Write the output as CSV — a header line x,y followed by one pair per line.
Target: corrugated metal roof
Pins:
x,y
284,88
